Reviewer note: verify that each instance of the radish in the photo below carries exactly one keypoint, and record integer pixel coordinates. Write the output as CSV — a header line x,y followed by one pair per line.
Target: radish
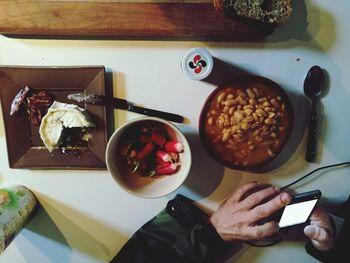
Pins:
x,y
167,169
174,157
174,147
145,151
164,156
145,139
158,139
149,152
161,162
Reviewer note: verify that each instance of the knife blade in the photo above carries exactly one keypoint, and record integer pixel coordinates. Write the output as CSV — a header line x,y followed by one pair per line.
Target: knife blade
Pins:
x,y
122,104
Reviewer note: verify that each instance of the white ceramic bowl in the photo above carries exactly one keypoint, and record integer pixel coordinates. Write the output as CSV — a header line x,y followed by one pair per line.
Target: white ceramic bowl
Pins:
x,y
148,187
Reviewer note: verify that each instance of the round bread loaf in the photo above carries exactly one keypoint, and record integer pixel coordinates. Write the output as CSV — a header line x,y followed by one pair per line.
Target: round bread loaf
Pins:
x,y
263,11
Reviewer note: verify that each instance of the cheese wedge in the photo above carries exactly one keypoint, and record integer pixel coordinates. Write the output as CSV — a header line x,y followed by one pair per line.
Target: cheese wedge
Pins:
x,y
59,116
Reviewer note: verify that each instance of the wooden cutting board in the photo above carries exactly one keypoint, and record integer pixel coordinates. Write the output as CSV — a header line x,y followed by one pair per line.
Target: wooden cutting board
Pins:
x,y
157,19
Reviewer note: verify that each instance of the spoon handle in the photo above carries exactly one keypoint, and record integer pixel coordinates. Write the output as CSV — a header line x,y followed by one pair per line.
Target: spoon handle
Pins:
x,y
311,148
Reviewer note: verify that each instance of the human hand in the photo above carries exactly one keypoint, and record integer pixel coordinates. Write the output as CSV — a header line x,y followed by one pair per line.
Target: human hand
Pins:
x,y
237,218
320,230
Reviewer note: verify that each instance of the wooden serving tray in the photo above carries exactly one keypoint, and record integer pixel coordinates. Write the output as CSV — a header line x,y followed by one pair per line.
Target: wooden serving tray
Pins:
x,y
115,19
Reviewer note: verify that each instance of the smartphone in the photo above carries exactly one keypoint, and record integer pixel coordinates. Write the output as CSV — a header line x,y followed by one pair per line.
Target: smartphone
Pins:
x,y
299,210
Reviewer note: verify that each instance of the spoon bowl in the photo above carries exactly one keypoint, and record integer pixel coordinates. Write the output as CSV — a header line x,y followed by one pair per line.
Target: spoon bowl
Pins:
x,y
314,85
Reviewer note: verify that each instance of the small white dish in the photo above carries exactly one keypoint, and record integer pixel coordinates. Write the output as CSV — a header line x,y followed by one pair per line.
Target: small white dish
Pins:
x,y
197,63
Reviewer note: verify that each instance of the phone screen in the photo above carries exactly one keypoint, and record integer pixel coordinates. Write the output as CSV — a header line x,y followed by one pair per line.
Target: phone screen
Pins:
x,y
298,213
300,209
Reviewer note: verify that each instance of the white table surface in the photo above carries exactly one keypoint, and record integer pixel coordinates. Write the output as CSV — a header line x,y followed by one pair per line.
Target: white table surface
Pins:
x,y
87,217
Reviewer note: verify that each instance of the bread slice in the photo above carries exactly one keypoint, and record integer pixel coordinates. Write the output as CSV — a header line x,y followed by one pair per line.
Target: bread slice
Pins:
x,y
262,11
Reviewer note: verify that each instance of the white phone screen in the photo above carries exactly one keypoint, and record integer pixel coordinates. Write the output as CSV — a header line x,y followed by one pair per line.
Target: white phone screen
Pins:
x,y
296,213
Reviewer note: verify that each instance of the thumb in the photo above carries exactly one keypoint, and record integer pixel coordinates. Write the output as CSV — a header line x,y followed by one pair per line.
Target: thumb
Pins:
x,y
319,237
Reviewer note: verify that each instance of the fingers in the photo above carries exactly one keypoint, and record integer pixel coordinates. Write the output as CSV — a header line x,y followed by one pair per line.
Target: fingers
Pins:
x,y
272,206
316,233
319,237
242,191
256,198
319,215
320,230
238,217
265,194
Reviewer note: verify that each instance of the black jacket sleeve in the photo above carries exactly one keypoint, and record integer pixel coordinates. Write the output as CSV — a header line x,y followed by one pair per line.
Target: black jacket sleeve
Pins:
x,y
179,233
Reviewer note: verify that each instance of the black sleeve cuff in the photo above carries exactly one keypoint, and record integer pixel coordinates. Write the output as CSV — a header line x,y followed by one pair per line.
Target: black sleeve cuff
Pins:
x,y
189,215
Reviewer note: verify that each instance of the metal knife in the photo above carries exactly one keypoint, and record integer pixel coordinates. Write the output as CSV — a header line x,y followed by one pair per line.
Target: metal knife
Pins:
x,y
122,104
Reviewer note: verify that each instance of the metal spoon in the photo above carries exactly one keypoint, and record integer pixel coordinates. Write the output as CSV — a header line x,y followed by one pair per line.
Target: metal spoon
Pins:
x,y
314,85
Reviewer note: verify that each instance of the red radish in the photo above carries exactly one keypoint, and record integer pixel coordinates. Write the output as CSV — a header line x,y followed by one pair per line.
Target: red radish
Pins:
x,y
174,147
161,162
164,156
145,151
174,156
158,139
145,139
151,154
170,168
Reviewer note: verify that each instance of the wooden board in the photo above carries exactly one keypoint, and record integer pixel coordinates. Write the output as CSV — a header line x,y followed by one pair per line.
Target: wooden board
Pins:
x,y
140,20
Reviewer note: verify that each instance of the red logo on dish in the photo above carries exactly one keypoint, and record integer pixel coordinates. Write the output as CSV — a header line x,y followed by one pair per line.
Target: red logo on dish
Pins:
x,y
197,64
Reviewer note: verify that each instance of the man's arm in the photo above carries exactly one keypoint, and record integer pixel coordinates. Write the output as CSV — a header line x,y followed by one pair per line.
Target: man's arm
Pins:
x,y
184,233
179,233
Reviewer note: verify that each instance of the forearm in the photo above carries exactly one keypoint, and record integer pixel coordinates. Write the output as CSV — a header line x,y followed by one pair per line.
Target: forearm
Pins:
x,y
184,233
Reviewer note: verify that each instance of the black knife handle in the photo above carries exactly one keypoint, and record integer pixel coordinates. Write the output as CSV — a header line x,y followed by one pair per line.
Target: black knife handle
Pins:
x,y
155,113
311,146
